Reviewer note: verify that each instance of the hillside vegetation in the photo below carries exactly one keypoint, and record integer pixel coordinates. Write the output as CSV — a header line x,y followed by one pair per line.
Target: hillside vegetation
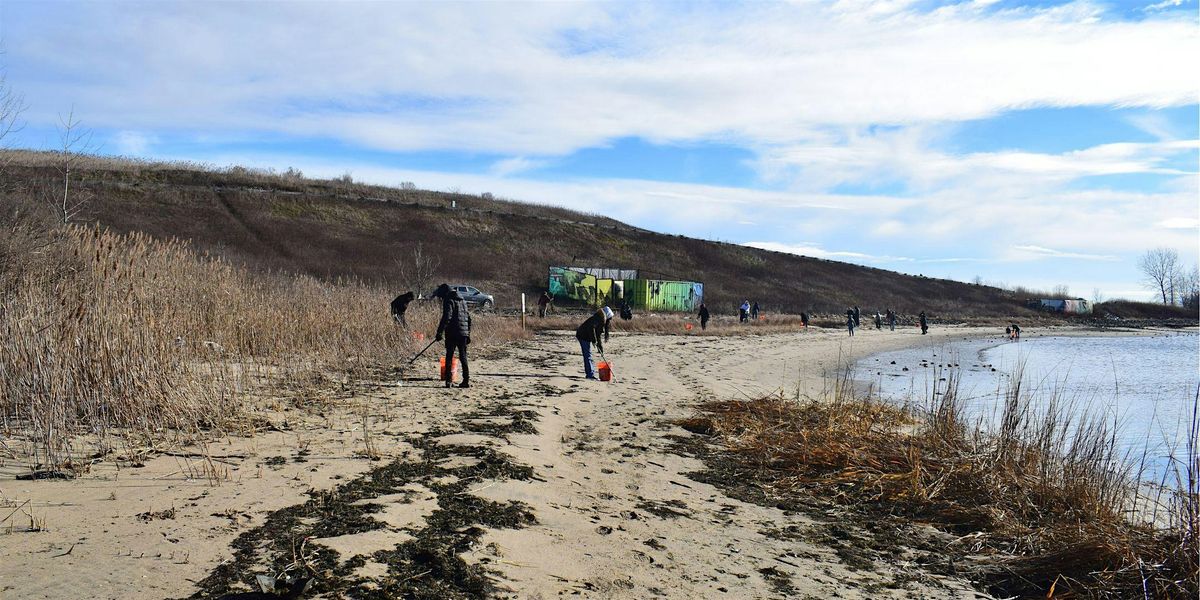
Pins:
x,y
337,228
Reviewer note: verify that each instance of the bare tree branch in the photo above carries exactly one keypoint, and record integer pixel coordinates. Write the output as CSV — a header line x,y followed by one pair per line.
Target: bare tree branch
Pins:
x,y
418,270
1162,272
74,142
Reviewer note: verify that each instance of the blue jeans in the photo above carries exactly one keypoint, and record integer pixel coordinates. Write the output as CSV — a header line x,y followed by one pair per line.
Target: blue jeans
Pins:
x,y
586,347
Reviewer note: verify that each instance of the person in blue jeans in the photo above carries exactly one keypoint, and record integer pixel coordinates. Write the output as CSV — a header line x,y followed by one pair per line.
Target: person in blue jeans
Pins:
x,y
591,332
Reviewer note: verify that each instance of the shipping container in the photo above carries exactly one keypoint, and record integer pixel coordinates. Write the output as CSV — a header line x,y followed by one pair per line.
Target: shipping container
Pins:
x,y
659,295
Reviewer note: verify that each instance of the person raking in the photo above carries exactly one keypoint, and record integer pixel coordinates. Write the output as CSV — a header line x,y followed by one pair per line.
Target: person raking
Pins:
x,y
591,332
455,327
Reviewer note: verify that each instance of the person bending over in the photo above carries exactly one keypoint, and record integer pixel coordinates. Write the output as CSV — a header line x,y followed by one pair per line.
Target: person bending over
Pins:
x,y
591,332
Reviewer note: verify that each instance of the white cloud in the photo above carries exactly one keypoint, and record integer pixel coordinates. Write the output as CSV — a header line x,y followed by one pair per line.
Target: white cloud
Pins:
x,y
517,164
542,79
815,251
133,143
1180,223
1040,252
1165,4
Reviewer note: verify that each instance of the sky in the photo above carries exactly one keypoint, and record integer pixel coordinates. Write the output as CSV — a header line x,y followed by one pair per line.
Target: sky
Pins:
x,y
1039,144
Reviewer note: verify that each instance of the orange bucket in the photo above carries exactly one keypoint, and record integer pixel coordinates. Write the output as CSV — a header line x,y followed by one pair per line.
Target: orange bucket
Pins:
x,y
417,335
442,367
605,371
687,326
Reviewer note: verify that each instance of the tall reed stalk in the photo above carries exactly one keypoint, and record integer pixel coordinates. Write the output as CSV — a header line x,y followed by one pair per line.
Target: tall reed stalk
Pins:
x,y
129,332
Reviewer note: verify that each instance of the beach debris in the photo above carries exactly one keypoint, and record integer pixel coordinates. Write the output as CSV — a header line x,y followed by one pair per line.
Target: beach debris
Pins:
x,y
45,474
272,588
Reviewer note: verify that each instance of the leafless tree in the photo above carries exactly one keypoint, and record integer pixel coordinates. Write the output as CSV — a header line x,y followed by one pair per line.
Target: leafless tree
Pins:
x,y
75,141
1161,271
12,105
1061,291
1190,289
418,270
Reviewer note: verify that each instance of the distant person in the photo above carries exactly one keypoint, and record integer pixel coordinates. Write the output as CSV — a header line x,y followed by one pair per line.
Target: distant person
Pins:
x,y
703,316
591,332
544,304
455,327
1016,332
891,317
857,317
850,322
878,321
744,311
626,311
400,306
804,320
1008,332
924,323
754,312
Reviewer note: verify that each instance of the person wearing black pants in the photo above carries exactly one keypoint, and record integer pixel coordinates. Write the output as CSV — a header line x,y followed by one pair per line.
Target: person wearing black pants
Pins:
x,y
455,327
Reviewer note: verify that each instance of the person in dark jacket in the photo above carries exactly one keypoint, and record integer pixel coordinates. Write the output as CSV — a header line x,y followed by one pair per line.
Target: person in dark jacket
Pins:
x,y
754,312
703,316
591,332
400,305
857,316
455,327
804,319
626,310
891,317
543,304
878,320
924,323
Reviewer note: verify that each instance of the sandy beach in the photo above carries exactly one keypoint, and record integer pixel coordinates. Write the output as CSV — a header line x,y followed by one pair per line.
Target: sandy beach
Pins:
x,y
546,483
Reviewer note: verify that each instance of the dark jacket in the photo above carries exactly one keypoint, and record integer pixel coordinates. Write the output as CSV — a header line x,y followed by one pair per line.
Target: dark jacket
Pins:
x,y
456,320
703,313
593,329
400,304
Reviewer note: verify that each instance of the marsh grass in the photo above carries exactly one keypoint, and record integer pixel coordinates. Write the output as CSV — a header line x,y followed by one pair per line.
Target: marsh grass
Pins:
x,y
1051,507
125,334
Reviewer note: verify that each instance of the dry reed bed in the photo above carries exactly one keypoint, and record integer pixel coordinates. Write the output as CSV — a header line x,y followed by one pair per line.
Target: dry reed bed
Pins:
x,y
129,333
1045,500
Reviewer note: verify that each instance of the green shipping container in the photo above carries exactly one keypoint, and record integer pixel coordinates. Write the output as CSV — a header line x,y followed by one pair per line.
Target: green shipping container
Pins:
x,y
657,295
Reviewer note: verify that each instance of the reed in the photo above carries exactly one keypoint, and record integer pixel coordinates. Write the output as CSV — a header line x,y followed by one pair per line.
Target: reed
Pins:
x,y
129,333
1054,507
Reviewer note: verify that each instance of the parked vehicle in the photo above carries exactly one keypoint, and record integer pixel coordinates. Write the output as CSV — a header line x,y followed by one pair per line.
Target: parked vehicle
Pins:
x,y
473,296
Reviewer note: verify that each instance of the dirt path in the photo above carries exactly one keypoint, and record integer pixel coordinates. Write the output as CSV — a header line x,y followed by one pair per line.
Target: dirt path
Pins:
x,y
534,484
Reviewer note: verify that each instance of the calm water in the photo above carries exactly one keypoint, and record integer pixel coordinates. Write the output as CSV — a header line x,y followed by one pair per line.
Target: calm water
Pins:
x,y
1146,383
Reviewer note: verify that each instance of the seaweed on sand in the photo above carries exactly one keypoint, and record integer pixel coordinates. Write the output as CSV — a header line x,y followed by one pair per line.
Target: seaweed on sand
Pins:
x,y
426,566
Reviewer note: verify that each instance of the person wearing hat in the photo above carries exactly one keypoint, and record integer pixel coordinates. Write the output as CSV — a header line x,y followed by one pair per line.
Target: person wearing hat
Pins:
x,y
455,327
591,332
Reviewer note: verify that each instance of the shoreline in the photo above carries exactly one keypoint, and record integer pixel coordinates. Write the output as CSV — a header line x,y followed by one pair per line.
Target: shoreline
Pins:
x,y
616,510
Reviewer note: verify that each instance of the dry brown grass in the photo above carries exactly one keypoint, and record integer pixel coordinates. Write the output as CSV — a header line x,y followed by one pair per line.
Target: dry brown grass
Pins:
x,y
124,332
1048,501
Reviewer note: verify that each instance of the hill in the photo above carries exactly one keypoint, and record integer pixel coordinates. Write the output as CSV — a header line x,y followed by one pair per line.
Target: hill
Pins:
x,y
338,228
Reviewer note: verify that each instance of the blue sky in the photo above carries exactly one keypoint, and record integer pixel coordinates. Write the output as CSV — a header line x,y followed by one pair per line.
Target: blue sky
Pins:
x,y
1026,143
